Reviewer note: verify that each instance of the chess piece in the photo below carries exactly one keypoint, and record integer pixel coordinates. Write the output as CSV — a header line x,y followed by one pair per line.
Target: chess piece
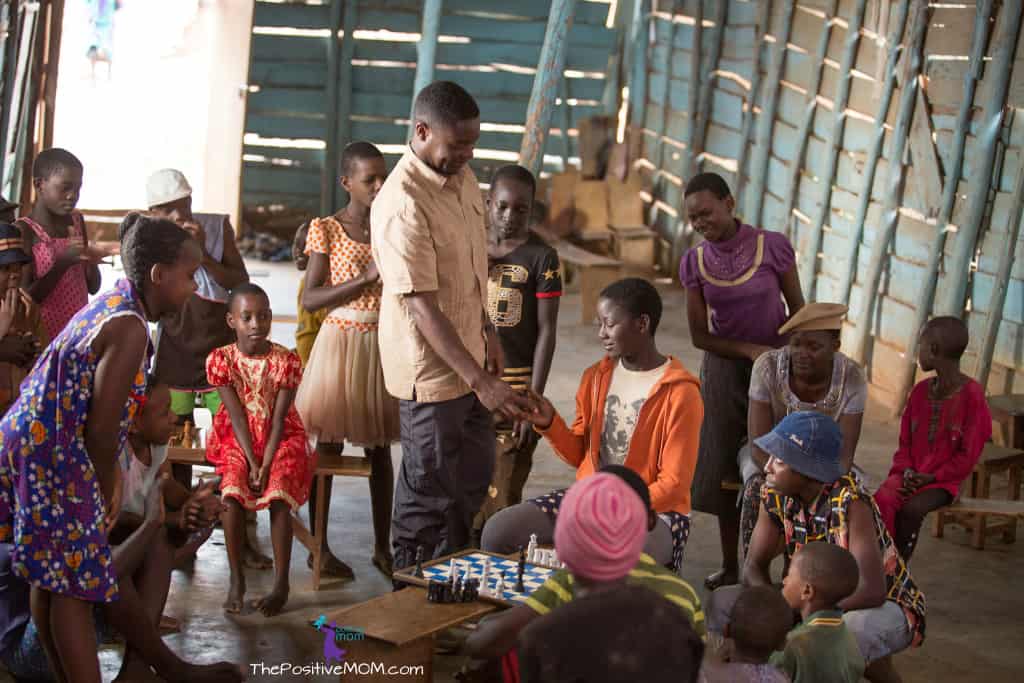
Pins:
x,y
418,573
501,585
486,574
522,568
554,558
531,550
451,572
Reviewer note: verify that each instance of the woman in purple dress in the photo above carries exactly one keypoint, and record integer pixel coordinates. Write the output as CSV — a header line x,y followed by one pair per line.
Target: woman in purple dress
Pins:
x,y
739,282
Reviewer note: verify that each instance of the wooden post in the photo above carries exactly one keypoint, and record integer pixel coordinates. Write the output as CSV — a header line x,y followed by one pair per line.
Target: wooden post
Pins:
x,y
911,69
566,123
10,69
997,77
545,84
764,13
330,172
803,132
30,108
834,144
871,163
979,46
699,126
766,120
349,23
998,300
55,26
658,153
426,54
639,39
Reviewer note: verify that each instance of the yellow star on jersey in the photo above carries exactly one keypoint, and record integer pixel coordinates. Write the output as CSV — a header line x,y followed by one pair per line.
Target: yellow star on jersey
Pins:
x,y
550,274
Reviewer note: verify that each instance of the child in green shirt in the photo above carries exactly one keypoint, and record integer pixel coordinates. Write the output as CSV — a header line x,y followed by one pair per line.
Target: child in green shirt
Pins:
x,y
821,649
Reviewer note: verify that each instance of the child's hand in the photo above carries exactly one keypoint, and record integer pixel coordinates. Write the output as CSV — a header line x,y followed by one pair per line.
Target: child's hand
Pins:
x,y
264,476
922,479
202,508
10,306
524,434
254,478
541,412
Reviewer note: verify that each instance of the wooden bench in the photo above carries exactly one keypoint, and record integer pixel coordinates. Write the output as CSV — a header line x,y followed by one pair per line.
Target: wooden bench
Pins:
x,y
327,465
994,460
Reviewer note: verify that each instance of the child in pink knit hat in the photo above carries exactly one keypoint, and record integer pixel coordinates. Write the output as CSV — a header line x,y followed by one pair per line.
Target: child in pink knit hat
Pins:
x,y
600,533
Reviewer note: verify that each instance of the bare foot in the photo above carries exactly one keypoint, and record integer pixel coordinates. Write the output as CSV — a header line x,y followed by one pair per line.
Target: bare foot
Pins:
x,y
236,596
332,566
253,559
273,602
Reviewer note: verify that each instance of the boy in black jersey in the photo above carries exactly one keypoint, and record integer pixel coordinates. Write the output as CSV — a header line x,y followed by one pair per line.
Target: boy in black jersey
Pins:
x,y
523,290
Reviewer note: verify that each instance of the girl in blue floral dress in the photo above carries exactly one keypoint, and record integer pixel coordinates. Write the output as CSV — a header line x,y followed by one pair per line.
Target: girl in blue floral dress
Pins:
x,y
59,441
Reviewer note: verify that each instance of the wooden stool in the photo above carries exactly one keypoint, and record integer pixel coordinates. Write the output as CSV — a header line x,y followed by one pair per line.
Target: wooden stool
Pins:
x,y
994,460
327,465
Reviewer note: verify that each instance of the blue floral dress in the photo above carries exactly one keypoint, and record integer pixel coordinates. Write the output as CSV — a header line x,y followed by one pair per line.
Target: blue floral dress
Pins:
x,y
51,506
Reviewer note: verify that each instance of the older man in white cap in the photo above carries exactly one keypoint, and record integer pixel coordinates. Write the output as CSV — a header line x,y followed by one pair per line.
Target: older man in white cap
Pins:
x,y
189,336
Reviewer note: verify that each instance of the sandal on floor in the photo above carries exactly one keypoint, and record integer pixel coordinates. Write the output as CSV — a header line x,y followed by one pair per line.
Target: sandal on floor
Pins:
x,y
719,579
384,562
333,567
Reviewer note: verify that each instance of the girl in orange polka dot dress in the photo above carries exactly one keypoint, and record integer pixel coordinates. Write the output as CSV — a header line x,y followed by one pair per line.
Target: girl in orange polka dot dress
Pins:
x,y
342,395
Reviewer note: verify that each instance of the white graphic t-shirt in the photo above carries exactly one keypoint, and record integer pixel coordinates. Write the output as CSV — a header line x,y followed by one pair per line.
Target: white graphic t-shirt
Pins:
x,y
626,395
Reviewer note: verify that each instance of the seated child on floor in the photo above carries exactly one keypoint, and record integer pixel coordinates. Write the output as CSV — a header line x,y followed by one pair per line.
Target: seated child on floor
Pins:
x,y
21,332
821,649
64,269
257,443
191,515
627,634
944,428
757,627
600,538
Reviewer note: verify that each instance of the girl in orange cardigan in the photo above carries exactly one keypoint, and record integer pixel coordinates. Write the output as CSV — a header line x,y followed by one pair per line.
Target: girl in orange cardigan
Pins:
x,y
636,408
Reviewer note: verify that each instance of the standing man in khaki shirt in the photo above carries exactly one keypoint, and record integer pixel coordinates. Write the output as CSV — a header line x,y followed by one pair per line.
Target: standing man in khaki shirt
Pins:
x,y
441,356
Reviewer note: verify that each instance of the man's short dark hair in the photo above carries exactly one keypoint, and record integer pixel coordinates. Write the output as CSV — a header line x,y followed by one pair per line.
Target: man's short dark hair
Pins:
x,y
832,570
638,297
52,160
514,173
712,182
444,103
623,634
357,151
760,620
950,334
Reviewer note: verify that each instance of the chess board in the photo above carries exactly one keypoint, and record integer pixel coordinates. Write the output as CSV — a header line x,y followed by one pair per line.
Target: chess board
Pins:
x,y
473,560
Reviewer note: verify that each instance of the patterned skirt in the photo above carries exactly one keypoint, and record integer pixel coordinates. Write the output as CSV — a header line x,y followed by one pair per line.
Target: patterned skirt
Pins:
x,y
678,523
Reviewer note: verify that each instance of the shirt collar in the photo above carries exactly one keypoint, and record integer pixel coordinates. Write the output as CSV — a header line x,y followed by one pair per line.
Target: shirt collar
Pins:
x,y
438,180
825,617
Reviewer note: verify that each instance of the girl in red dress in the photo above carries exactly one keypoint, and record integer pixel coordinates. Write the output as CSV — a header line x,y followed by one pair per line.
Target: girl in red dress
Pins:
x,y
257,443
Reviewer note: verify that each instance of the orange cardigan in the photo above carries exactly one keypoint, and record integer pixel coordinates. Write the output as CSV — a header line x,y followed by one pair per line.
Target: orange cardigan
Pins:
x,y
663,449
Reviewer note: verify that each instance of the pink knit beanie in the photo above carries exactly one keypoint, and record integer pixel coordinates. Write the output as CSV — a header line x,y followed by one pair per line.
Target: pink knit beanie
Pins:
x,y
601,528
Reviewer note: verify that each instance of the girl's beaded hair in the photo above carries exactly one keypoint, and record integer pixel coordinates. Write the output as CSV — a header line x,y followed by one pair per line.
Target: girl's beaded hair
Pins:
x,y
147,241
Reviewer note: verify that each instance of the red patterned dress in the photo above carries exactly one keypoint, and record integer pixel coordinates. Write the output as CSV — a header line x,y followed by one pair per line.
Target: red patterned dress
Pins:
x,y
258,380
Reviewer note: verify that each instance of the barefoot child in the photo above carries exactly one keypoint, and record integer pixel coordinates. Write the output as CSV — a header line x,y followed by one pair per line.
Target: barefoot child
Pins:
x,y
59,453
64,271
821,649
257,442
757,627
944,428
523,291
21,330
309,322
343,396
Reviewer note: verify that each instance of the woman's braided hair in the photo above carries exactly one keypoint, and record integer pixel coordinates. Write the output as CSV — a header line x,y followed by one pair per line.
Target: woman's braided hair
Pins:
x,y
147,241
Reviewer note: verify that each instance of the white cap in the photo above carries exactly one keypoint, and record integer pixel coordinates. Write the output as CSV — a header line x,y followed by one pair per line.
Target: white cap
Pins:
x,y
165,186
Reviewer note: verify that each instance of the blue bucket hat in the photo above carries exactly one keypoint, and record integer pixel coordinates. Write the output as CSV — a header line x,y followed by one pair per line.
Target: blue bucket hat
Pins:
x,y
808,442
12,248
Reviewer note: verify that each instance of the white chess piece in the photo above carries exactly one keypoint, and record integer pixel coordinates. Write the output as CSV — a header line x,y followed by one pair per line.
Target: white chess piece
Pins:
x,y
531,549
452,569
554,558
486,573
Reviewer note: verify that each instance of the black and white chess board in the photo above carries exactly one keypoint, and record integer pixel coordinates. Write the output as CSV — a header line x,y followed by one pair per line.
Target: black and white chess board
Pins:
x,y
471,565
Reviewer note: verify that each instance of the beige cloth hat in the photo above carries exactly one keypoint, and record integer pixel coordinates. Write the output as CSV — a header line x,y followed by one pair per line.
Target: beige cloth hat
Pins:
x,y
165,186
816,317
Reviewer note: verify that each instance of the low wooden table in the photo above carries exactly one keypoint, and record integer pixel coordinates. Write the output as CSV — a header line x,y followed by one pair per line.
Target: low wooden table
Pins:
x,y
1008,411
399,631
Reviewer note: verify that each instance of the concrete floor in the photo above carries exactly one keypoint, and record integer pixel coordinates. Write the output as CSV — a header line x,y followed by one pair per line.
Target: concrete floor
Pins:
x,y
973,604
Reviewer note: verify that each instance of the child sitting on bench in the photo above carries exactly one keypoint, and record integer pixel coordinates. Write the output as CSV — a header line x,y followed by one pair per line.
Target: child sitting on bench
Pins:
x,y
944,429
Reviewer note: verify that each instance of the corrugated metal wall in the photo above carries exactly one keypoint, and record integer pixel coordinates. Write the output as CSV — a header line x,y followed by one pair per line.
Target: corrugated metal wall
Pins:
x,y
796,167
491,47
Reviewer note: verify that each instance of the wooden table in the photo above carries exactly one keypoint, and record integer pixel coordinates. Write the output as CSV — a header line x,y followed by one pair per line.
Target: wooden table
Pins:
x,y
399,629
1008,411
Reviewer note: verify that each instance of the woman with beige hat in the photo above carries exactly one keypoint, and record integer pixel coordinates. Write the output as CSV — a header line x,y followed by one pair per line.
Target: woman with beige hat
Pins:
x,y
809,373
